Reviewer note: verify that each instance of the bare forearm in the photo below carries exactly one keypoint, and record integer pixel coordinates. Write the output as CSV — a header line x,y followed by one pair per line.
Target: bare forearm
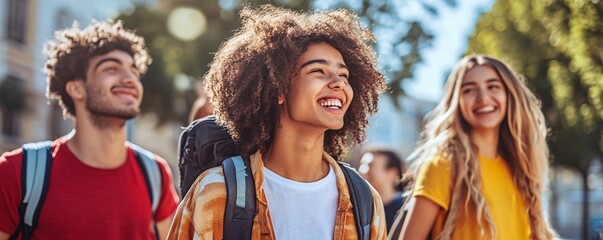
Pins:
x,y
421,217
164,226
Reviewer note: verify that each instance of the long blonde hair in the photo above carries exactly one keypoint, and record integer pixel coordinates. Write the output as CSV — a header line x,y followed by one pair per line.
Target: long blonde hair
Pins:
x,y
522,144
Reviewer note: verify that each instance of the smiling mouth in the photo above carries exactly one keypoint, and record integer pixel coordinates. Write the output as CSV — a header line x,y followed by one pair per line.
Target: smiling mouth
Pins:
x,y
486,109
332,103
124,91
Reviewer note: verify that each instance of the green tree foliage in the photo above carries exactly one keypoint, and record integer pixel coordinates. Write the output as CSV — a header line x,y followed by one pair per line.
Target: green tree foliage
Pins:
x,y
174,58
159,89
556,45
399,47
401,35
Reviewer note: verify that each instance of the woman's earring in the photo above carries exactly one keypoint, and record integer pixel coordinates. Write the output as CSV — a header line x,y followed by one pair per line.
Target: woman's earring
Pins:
x,y
281,100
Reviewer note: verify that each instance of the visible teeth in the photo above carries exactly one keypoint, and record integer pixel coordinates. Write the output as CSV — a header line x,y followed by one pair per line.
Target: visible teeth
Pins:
x,y
485,109
331,103
335,102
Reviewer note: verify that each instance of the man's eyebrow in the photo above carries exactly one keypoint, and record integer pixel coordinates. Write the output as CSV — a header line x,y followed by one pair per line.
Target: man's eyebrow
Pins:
x,y
106,60
321,61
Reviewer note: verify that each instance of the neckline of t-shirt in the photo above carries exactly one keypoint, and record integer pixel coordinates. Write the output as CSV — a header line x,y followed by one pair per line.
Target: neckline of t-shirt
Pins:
x,y
72,157
497,158
307,186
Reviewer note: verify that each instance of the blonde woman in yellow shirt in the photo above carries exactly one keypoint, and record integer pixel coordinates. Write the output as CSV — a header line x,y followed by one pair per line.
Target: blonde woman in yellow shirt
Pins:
x,y
481,169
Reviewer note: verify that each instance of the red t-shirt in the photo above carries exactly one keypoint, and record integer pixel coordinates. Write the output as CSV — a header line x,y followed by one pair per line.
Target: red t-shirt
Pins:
x,y
84,202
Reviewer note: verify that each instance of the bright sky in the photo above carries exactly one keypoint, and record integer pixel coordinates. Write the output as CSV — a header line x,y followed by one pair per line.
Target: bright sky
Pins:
x,y
451,30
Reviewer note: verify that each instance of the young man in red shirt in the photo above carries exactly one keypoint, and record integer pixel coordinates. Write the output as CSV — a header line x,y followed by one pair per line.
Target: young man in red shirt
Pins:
x,y
96,188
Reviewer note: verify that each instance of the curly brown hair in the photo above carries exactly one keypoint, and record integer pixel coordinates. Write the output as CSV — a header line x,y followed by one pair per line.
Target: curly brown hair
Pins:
x,y
69,54
255,66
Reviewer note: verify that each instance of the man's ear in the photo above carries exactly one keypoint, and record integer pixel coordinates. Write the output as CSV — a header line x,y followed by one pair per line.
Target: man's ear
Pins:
x,y
75,89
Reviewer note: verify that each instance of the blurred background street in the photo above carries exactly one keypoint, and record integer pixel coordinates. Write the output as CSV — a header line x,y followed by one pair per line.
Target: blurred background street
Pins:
x,y
557,45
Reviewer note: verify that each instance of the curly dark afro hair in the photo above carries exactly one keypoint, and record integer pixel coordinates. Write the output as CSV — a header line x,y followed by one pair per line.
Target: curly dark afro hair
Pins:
x,y
255,66
69,54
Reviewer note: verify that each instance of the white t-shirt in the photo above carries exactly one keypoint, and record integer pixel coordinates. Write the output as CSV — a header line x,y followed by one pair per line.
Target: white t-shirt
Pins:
x,y
302,210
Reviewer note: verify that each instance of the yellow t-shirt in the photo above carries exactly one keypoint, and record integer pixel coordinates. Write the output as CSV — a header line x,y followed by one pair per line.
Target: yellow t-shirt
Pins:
x,y
504,201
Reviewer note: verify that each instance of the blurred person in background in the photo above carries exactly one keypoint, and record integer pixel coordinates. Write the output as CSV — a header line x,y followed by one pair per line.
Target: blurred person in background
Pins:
x,y
383,169
202,106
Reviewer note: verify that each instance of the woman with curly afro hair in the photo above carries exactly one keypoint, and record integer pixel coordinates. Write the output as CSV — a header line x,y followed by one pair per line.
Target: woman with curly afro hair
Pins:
x,y
293,89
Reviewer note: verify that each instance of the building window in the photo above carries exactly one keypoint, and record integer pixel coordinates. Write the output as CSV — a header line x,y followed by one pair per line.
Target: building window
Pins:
x,y
10,123
12,103
58,125
16,13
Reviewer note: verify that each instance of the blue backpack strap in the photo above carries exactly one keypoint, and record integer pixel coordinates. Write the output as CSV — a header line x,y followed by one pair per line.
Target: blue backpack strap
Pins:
x,y
362,200
240,198
152,176
35,175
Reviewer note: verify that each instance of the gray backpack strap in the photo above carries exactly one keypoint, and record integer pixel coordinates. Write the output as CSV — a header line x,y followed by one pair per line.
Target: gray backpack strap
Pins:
x,y
361,197
152,176
151,172
35,174
240,198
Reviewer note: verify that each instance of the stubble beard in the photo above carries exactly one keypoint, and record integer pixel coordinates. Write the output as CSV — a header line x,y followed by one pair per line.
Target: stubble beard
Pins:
x,y
104,114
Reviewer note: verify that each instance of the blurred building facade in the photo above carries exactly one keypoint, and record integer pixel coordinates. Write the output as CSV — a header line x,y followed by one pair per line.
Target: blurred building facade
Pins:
x,y
395,127
398,128
566,199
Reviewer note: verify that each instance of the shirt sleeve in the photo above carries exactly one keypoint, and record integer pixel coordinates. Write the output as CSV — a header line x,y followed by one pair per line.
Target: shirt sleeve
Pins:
x,y
169,198
433,181
200,215
10,191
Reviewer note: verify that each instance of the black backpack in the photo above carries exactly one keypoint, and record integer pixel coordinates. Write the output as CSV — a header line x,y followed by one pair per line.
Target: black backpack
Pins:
x,y
204,144
35,178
